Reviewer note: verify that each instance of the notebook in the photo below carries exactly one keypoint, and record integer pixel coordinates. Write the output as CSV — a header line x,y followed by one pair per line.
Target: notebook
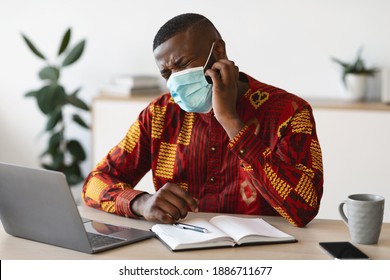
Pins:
x,y
37,204
220,231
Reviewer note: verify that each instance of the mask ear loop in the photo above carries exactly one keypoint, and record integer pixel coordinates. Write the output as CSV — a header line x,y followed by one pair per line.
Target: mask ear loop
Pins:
x,y
208,58
208,79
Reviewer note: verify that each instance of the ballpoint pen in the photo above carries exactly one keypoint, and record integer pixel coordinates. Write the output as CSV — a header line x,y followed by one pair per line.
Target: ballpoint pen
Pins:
x,y
191,227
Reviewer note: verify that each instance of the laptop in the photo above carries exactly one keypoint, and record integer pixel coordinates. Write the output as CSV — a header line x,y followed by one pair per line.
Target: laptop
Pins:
x,y
37,204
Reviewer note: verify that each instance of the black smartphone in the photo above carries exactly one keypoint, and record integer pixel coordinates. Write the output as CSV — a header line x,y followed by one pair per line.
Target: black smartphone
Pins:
x,y
343,250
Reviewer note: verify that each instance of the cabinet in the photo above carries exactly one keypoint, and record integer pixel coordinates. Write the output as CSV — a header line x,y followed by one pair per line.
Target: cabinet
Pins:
x,y
111,118
355,141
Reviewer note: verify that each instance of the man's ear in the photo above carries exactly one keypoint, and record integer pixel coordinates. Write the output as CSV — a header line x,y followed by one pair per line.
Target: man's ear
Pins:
x,y
220,50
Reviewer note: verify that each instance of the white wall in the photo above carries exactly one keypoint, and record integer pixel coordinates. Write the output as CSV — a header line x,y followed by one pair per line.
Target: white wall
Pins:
x,y
282,42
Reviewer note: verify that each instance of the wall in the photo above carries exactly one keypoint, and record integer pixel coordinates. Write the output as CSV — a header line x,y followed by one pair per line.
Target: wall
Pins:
x,y
285,43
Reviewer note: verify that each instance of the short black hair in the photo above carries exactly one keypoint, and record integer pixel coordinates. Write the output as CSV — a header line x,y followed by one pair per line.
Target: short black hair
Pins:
x,y
180,24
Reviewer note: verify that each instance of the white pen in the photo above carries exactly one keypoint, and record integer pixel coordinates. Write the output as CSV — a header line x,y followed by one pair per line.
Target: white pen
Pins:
x,y
191,227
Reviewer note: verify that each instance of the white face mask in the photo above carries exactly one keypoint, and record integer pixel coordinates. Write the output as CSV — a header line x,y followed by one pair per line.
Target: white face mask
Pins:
x,y
190,89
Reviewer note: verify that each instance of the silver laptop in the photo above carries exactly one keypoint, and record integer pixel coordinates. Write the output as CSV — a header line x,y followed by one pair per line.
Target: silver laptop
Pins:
x,y
37,204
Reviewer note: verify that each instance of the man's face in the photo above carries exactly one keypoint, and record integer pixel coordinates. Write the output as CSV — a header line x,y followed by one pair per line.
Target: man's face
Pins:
x,y
183,51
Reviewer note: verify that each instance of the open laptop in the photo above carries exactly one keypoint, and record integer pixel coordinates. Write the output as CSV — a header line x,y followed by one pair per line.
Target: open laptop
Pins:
x,y
37,204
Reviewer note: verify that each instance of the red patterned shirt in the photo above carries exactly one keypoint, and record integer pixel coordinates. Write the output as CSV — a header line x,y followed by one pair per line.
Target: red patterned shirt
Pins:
x,y
272,167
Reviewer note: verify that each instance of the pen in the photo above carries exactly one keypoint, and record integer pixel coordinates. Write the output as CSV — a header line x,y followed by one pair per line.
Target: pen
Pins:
x,y
191,227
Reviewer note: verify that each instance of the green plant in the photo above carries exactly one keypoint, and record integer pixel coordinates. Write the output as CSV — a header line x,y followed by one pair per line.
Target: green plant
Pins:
x,y
62,154
356,67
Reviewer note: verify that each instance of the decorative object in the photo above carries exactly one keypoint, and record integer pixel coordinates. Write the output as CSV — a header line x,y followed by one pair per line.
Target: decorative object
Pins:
x,y
355,76
62,154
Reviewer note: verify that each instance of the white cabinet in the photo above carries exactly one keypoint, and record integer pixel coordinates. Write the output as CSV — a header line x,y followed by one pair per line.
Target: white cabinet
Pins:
x,y
111,118
355,146
355,141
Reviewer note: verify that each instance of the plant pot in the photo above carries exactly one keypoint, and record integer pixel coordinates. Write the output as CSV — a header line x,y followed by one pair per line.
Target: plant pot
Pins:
x,y
356,86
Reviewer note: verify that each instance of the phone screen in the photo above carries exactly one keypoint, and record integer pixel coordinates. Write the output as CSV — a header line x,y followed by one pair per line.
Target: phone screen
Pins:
x,y
343,250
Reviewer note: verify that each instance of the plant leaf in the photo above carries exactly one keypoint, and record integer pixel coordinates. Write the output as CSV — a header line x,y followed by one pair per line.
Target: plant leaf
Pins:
x,y
74,54
50,73
54,118
42,96
73,173
32,47
76,91
54,143
76,150
343,64
65,41
77,119
32,93
57,162
77,102
49,97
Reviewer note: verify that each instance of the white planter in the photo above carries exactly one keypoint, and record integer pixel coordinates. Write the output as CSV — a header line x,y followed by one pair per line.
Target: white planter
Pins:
x,y
356,86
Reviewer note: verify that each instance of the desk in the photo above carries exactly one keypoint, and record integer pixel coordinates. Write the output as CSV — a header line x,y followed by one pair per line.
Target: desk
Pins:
x,y
306,248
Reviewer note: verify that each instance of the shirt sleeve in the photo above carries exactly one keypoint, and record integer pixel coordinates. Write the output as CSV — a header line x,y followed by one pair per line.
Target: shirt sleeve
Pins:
x,y
289,175
110,185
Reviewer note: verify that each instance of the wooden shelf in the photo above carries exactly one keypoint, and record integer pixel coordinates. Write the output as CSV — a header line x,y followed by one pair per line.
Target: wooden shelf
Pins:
x,y
349,105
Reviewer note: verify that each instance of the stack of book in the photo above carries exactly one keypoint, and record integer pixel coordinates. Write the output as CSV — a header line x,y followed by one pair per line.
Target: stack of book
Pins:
x,y
133,85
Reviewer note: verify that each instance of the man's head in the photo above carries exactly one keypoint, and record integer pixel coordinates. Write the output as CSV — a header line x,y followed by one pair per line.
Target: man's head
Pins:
x,y
185,42
182,23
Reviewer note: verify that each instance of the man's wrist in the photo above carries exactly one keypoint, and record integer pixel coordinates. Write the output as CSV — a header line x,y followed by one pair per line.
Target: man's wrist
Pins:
x,y
232,127
137,204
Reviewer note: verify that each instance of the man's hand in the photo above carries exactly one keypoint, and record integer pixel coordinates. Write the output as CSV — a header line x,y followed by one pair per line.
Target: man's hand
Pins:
x,y
224,74
167,205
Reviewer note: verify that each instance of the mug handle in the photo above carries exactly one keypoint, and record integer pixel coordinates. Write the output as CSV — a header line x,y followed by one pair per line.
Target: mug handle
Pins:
x,y
342,213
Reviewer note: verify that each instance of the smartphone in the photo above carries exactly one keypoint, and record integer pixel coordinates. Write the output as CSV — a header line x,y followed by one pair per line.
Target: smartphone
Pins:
x,y
343,250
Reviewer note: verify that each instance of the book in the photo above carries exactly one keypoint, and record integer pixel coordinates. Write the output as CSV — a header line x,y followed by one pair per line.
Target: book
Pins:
x,y
133,85
222,231
136,81
123,91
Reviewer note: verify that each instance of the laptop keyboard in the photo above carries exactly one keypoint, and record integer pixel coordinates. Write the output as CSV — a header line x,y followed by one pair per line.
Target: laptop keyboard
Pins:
x,y
98,240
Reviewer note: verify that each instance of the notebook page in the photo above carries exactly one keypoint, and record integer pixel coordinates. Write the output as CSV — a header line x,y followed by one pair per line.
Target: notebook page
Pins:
x,y
240,227
175,236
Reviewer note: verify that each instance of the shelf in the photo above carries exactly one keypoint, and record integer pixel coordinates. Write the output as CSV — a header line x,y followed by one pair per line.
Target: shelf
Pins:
x,y
349,105
336,104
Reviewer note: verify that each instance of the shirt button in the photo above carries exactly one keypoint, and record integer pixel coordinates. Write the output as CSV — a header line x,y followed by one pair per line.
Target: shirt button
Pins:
x,y
212,179
242,151
213,148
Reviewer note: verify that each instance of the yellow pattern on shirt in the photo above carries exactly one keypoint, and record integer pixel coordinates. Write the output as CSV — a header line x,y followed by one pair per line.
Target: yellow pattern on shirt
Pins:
x,y
158,120
166,160
131,139
316,155
307,191
301,122
279,185
186,130
258,98
94,192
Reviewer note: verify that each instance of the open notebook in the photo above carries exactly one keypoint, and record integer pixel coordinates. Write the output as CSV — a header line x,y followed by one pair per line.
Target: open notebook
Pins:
x,y
222,231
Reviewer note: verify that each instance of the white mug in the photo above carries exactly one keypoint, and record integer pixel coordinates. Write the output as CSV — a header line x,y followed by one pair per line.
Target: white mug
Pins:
x,y
364,217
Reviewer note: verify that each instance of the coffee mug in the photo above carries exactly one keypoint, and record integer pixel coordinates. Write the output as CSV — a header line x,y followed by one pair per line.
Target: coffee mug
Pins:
x,y
364,217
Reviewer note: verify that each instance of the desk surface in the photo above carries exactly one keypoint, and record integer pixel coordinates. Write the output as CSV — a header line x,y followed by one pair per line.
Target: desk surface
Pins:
x,y
306,248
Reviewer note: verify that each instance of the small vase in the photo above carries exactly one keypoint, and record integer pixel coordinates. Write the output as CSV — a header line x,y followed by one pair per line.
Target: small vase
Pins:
x,y
356,86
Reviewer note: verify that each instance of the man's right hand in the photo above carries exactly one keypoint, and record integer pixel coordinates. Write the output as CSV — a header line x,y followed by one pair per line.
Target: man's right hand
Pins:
x,y
169,204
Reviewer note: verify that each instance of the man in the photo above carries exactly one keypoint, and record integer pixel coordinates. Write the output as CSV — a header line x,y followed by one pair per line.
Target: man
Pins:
x,y
227,143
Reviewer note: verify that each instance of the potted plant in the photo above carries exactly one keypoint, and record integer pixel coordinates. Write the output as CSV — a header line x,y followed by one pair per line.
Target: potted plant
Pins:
x,y
354,76
62,154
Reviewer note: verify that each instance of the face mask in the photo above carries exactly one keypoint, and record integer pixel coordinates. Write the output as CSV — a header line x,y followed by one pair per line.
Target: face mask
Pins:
x,y
190,89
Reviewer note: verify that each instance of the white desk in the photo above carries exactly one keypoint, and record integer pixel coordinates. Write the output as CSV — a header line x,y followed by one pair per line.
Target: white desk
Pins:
x,y
306,248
